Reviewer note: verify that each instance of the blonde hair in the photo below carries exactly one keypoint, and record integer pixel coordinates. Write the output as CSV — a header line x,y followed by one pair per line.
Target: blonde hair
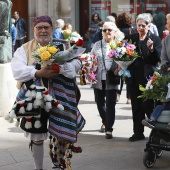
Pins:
x,y
118,34
168,16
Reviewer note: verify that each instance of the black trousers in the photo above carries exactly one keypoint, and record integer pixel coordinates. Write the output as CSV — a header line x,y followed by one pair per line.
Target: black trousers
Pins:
x,y
139,109
106,101
19,43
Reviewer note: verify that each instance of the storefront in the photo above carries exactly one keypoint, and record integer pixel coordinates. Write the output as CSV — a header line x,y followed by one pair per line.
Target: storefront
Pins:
x,y
158,9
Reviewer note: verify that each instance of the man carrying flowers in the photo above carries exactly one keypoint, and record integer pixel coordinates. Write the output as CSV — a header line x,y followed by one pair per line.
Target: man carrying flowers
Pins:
x,y
25,69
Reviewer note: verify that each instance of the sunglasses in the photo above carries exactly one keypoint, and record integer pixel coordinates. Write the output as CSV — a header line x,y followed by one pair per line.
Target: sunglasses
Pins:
x,y
105,30
41,27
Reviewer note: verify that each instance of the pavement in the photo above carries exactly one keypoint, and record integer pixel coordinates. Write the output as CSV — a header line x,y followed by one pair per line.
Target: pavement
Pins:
x,y
98,153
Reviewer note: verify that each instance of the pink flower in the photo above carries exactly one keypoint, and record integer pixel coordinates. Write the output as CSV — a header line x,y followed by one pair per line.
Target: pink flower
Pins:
x,y
111,53
131,46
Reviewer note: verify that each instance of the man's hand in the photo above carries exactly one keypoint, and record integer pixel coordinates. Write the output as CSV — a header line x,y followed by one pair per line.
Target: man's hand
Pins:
x,y
46,71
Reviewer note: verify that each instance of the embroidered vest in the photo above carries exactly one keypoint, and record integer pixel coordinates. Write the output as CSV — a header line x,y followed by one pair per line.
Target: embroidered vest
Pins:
x,y
29,48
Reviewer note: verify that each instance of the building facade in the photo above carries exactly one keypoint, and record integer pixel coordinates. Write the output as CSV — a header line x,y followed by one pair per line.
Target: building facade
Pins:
x,y
78,12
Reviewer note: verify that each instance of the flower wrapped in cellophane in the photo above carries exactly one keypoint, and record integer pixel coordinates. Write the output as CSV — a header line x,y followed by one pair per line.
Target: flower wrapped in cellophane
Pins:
x,y
124,54
156,88
89,68
69,54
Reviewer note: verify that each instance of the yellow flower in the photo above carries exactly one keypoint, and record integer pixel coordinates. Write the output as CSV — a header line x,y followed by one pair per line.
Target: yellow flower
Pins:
x,y
52,49
41,49
45,55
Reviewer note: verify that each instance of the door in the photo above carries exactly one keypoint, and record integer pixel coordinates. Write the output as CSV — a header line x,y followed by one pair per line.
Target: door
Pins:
x,y
22,7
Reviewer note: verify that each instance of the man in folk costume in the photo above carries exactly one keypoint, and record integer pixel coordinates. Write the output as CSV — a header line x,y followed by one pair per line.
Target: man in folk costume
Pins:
x,y
24,70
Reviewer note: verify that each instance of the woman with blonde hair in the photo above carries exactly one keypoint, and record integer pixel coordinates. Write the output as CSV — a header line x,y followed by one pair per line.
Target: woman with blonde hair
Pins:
x,y
105,93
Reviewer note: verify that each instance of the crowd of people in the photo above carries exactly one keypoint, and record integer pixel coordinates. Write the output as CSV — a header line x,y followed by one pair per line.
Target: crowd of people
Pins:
x,y
115,28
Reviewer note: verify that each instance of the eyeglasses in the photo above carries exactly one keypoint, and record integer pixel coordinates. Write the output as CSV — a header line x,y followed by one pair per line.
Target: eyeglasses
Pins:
x,y
41,27
105,30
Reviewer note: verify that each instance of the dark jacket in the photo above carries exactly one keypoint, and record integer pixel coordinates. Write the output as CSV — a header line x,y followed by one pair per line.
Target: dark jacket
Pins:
x,y
20,24
143,66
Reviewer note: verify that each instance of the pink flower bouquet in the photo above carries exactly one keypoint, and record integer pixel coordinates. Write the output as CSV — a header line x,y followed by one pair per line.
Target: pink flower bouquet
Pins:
x,y
124,54
89,67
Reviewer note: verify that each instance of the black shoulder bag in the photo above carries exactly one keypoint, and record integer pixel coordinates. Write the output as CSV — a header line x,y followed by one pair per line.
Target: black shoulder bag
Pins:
x,y
111,78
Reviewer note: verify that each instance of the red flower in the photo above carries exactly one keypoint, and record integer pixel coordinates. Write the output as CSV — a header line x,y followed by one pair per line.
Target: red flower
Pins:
x,y
56,67
80,42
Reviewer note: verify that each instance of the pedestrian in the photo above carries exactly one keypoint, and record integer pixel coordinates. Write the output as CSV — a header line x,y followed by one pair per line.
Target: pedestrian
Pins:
x,y
114,15
58,32
13,35
165,53
67,30
105,93
21,27
124,23
94,25
153,27
98,33
24,71
148,47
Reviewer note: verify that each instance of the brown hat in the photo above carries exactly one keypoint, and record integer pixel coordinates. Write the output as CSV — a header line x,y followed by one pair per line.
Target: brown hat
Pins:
x,y
44,18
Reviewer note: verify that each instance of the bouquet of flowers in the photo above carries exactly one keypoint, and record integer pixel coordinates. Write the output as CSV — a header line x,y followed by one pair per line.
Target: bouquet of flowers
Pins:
x,y
50,54
124,54
89,67
44,55
156,88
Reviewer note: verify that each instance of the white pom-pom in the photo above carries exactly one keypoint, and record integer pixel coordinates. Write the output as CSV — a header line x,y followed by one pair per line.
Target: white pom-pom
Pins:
x,y
28,94
29,107
10,120
33,93
48,97
32,86
37,103
17,123
39,95
22,109
37,124
48,106
7,116
39,90
12,114
60,107
28,125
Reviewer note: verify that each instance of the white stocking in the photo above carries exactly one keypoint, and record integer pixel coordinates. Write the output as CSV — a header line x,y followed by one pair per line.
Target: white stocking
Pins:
x,y
38,154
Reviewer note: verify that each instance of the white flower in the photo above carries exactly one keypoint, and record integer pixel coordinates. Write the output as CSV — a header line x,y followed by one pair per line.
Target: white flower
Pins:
x,y
148,84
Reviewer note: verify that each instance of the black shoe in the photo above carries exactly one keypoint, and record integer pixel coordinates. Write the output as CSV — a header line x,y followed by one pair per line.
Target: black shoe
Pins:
x,y
134,137
108,136
102,129
148,123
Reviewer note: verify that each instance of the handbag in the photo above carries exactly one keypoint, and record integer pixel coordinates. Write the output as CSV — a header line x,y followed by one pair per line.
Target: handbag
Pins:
x,y
111,78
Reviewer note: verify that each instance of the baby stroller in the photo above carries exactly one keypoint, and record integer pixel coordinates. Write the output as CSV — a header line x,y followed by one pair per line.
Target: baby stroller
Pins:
x,y
159,139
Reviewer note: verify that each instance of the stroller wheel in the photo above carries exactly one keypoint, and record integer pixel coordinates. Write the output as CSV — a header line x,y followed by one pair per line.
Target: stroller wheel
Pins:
x,y
149,158
158,152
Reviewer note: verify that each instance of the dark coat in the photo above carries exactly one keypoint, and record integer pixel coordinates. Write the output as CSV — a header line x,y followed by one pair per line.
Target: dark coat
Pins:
x,y
143,66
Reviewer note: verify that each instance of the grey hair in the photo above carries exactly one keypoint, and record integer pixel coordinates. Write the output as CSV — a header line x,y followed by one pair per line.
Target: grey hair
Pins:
x,y
118,35
12,20
110,18
145,17
60,23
